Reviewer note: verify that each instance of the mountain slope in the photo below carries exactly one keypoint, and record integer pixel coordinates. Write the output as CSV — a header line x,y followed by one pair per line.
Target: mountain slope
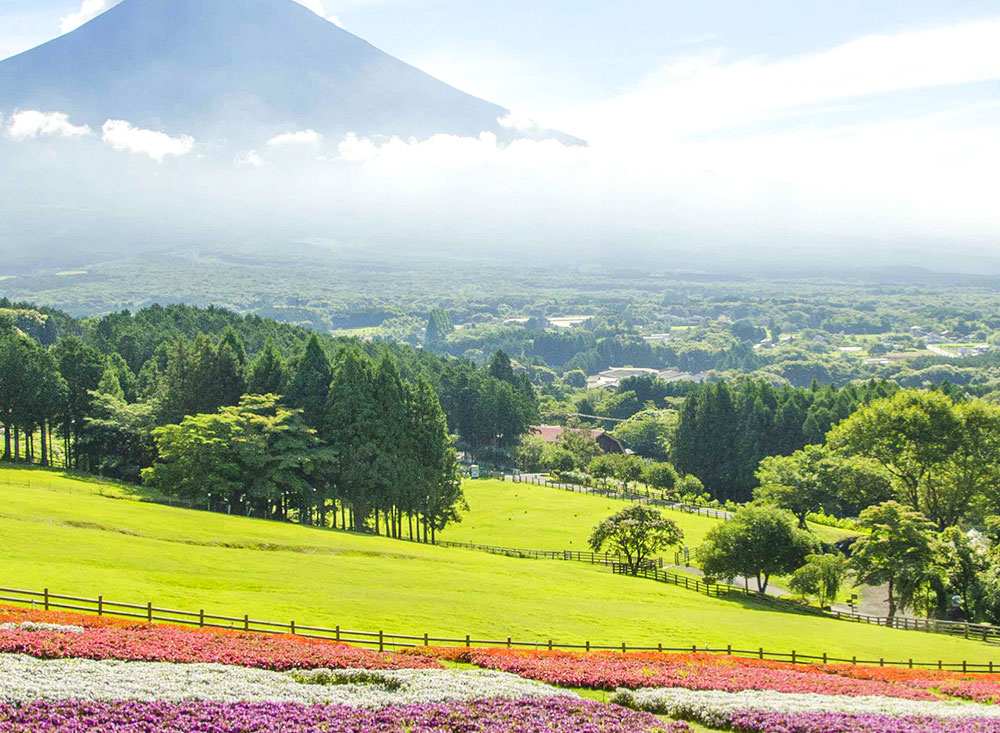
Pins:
x,y
236,71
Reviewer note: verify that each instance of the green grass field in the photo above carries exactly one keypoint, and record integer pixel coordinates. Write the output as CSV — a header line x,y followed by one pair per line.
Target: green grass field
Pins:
x,y
63,534
542,518
534,517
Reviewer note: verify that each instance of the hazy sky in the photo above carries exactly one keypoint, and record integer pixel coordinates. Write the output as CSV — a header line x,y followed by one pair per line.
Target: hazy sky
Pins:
x,y
530,53
844,118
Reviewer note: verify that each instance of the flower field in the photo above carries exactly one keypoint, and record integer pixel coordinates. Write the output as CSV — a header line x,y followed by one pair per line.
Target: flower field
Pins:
x,y
611,671
734,693
65,673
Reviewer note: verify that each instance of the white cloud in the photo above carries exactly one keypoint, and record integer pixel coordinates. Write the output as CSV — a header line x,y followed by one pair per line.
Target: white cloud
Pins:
x,y
89,9
296,138
121,135
32,124
452,151
251,159
706,93
318,7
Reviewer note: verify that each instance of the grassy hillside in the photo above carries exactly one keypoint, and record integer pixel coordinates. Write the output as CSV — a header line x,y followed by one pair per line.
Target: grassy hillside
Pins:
x,y
64,534
543,518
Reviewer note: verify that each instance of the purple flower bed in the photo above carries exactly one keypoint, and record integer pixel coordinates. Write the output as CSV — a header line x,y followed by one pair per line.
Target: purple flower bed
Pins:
x,y
759,722
548,715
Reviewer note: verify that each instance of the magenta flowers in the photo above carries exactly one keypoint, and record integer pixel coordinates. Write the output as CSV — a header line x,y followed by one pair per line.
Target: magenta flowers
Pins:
x,y
546,715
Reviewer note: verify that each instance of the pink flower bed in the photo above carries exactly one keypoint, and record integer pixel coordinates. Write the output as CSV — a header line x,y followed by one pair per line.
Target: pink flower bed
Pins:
x,y
608,671
105,638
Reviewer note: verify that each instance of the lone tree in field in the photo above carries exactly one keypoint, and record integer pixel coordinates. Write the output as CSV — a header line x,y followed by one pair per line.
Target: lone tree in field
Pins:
x,y
758,542
636,533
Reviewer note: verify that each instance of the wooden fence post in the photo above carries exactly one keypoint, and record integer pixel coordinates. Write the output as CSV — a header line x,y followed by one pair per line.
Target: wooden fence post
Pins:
x,y
508,642
427,639
468,641
338,632
381,641
46,599
246,622
149,612
201,618
100,605
292,627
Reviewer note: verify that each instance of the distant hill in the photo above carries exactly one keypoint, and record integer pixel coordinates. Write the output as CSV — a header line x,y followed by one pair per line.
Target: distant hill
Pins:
x,y
238,72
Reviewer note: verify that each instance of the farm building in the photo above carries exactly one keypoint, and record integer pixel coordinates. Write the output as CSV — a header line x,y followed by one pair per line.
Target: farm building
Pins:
x,y
605,440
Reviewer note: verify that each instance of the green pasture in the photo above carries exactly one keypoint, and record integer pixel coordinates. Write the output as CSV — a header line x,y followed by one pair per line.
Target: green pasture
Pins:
x,y
542,518
86,538
533,517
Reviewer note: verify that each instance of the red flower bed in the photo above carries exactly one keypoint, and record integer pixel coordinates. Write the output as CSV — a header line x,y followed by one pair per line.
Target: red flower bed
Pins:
x,y
106,638
608,671
977,687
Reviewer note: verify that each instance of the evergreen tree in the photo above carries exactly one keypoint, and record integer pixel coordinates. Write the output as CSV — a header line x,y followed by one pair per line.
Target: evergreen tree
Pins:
x,y
110,385
438,327
82,367
268,373
308,388
350,429
233,340
229,383
177,384
393,467
437,489
502,368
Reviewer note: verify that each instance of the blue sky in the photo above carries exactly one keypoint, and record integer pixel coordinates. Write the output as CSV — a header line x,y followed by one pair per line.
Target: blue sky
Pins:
x,y
710,118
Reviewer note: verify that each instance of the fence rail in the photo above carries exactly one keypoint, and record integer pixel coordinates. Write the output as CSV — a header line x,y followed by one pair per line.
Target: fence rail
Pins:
x,y
643,497
593,558
384,641
978,632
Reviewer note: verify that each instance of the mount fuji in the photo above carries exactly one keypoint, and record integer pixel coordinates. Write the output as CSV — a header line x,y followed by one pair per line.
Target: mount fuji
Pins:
x,y
235,72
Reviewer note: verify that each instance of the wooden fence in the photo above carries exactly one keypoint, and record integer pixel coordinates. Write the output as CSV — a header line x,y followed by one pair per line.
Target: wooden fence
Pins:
x,y
384,641
644,496
653,569
967,630
593,558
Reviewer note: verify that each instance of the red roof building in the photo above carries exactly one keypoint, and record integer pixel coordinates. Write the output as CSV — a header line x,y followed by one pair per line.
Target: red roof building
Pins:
x,y
552,433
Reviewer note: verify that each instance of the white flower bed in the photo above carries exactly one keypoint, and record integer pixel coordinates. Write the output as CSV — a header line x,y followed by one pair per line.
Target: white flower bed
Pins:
x,y
32,626
24,679
713,707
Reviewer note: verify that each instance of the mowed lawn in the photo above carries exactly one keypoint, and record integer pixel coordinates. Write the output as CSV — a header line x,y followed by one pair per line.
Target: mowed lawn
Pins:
x,y
542,518
73,540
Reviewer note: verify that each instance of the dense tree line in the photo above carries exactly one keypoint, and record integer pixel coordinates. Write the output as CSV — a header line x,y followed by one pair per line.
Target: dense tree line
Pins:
x,y
724,430
354,426
920,469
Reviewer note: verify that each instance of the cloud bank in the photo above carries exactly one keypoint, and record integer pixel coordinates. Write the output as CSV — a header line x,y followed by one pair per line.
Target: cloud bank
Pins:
x,y
890,140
